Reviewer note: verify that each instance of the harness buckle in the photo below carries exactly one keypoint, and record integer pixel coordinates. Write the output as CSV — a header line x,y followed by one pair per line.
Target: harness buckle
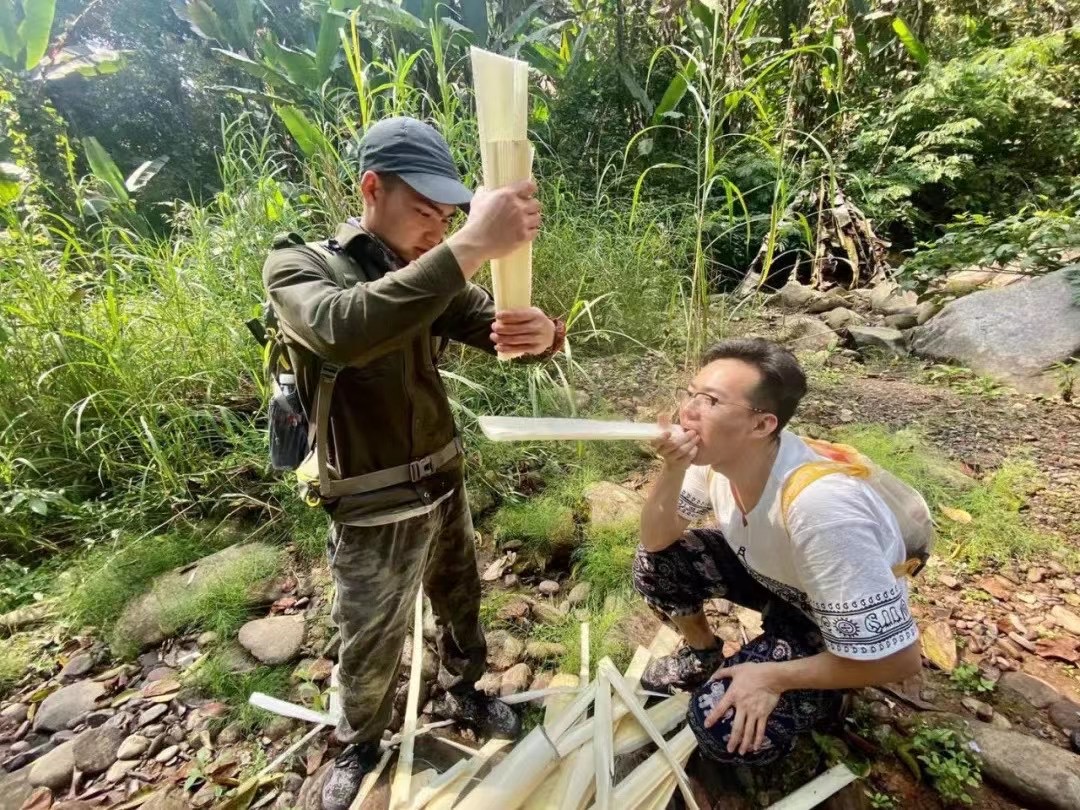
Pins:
x,y
421,469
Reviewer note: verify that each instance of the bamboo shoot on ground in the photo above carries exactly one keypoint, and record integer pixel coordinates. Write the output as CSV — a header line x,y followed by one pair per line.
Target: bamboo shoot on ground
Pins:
x,y
401,786
638,786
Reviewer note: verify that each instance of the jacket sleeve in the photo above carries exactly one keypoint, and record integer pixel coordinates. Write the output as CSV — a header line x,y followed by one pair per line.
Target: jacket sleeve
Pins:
x,y
468,319
357,324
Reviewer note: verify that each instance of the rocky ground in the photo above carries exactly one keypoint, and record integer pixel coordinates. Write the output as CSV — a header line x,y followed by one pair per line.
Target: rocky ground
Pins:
x,y
99,733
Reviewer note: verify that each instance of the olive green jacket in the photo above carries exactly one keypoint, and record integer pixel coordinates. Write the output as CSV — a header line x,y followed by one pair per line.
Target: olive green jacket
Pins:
x,y
383,320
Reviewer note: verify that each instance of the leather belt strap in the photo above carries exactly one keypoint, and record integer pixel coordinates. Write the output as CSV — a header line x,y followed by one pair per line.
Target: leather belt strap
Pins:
x,y
413,472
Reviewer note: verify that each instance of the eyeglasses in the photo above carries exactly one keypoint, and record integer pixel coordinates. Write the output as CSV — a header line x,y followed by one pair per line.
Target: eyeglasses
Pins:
x,y
685,396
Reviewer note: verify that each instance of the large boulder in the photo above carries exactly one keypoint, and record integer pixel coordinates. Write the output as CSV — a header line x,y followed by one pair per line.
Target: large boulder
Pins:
x,y
611,504
1015,333
804,333
147,620
1036,772
54,770
15,789
879,339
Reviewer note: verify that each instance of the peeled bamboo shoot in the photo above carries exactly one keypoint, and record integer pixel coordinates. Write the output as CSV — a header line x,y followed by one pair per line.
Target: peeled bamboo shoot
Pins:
x,y
527,429
501,88
650,774
401,786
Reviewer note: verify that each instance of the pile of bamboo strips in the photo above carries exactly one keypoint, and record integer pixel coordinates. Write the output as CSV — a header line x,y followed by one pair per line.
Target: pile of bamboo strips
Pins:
x,y
568,762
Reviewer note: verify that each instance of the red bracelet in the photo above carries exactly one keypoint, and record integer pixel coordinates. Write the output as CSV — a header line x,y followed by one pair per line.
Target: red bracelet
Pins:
x,y
559,340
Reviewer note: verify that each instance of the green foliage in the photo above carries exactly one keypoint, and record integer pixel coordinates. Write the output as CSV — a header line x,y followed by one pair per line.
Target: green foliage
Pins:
x,y
970,681
605,560
997,529
949,762
24,32
216,680
540,526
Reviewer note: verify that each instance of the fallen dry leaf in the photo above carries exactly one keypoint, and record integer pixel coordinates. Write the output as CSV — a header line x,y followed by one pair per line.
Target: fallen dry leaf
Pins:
x,y
998,587
1065,649
40,799
162,687
123,698
939,646
316,752
956,515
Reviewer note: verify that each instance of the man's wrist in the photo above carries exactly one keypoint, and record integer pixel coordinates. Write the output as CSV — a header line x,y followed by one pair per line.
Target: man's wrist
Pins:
x,y
470,257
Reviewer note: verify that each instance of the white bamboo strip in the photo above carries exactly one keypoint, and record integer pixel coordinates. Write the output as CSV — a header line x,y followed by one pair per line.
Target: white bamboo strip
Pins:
x,y
660,798
556,704
603,755
444,792
584,675
401,786
524,697
818,790
513,780
368,782
292,749
586,731
627,695
664,716
651,773
286,709
529,429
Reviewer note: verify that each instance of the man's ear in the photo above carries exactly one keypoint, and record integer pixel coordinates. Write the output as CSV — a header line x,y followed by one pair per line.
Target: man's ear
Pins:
x,y
766,425
370,187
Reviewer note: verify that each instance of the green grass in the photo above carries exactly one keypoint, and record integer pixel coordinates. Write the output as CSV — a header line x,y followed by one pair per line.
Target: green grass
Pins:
x,y
17,655
605,636
605,560
542,525
99,584
214,680
998,529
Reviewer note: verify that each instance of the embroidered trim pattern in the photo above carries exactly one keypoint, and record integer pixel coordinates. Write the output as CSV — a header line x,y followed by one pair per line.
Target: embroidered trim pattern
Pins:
x,y
872,625
692,507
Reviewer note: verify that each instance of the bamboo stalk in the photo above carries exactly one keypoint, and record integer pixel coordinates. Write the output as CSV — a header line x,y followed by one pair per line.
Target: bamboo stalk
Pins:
x,y
444,792
501,88
511,782
603,754
813,793
369,780
665,716
401,786
637,787
660,798
584,675
643,718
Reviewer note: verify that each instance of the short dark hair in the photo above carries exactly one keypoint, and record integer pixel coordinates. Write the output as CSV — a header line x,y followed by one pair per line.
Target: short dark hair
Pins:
x,y
783,383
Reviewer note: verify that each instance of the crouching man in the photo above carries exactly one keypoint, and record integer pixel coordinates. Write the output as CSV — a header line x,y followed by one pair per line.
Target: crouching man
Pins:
x,y
834,615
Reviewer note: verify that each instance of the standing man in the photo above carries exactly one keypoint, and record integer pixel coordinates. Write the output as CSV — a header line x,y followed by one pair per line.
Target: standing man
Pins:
x,y
361,315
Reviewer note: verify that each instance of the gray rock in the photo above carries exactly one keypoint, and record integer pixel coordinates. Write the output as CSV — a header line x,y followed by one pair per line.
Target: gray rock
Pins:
x,y
78,666
611,504
888,299
147,621
803,333
925,311
236,659
826,302
15,789
1013,333
67,703
160,674
19,747
1034,771
133,747
902,320
273,640
548,587
230,735
490,683
879,338
842,318
119,769
515,680
21,759
165,754
95,749
984,711
16,712
796,296
1065,715
579,594
153,730
543,650
152,714
54,769
207,639
1034,690
504,650
278,728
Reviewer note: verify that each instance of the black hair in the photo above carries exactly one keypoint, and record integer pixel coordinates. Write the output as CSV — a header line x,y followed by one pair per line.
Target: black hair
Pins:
x,y
783,383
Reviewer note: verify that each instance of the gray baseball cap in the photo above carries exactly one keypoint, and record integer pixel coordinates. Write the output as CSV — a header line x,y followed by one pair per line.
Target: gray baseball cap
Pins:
x,y
416,153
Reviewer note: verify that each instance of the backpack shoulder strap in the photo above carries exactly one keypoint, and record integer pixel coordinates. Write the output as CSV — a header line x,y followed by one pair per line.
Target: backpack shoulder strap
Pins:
x,y
806,474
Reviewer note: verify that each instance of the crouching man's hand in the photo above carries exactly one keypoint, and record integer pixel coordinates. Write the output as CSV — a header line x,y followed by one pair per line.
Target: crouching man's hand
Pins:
x,y
752,694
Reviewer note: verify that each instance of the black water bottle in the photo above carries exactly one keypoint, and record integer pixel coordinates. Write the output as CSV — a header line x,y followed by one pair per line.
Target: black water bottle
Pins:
x,y
288,425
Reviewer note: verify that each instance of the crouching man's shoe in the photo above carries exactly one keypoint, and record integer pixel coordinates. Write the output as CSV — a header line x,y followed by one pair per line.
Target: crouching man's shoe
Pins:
x,y
488,716
685,671
350,768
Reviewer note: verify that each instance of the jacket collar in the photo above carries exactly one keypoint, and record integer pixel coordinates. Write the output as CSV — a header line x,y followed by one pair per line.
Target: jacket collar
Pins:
x,y
364,246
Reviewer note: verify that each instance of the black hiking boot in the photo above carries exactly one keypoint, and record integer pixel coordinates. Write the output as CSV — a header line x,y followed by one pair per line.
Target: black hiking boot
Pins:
x,y
350,768
686,670
487,716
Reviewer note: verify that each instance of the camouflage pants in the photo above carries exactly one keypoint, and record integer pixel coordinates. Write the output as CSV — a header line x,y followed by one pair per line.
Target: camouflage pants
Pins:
x,y
377,570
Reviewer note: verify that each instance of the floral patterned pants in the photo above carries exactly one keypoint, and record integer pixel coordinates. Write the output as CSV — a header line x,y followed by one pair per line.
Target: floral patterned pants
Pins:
x,y
701,565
